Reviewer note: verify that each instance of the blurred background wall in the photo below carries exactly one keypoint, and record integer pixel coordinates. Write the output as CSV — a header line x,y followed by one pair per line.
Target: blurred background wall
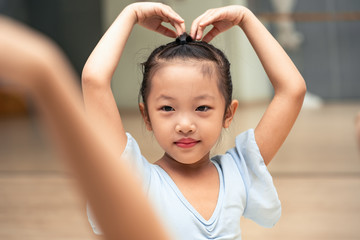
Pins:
x,y
75,26
328,54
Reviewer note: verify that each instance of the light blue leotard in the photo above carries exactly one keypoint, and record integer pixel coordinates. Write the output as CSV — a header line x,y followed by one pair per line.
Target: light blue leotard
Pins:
x,y
246,189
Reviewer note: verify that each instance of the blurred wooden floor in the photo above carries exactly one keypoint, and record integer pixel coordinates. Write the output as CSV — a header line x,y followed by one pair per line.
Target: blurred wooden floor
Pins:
x,y
317,174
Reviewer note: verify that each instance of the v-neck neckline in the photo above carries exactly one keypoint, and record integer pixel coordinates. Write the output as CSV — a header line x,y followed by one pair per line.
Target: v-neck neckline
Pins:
x,y
188,205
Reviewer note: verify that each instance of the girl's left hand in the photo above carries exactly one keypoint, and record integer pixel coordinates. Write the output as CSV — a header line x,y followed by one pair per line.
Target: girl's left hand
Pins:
x,y
152,15
221,18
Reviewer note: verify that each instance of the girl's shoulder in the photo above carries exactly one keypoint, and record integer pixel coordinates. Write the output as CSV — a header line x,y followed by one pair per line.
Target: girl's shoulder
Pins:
x,y
245,150
244,163
133,157
244,160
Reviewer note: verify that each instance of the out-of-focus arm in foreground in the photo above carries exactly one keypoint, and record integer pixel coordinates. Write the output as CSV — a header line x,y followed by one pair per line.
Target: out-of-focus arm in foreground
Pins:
x,y
34,63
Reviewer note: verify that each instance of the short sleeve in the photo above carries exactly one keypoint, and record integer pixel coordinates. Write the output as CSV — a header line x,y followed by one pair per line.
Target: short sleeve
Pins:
x,y
262,201
138,164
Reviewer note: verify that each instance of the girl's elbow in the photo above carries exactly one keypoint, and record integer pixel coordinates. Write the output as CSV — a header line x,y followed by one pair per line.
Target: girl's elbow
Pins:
x,y
87,75
86,79
298,89
293,90
91,78
301,89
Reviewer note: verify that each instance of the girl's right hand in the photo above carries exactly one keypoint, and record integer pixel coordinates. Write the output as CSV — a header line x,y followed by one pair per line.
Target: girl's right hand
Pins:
x,y
152,15
221,18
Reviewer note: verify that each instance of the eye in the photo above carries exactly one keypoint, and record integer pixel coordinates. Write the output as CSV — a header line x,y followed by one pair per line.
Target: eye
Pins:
x,y
167,109
202,108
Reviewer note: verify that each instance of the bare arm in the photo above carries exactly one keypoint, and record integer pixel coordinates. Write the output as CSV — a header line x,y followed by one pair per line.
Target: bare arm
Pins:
x,y
99,68
289,87
35,64
288,83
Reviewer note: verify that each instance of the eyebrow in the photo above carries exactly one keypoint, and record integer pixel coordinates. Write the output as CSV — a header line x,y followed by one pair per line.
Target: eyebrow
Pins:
x,y
200,97
205,96
165,97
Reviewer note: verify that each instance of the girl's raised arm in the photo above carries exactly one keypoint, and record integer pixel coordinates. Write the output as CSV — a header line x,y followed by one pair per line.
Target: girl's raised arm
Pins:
x,y
288,83
100,66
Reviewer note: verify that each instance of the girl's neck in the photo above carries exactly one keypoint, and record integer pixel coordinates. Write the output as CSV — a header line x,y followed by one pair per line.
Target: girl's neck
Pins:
x,y
199,183
170,164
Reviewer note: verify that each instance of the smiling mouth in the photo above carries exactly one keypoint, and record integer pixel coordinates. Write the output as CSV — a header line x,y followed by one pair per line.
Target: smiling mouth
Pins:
x,y
186,143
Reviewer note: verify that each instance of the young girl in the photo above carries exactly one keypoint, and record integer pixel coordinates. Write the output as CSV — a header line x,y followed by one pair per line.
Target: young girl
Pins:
x,y
186,101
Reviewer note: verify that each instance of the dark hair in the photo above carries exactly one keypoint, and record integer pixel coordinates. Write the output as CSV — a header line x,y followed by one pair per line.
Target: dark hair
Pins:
x,y
184,48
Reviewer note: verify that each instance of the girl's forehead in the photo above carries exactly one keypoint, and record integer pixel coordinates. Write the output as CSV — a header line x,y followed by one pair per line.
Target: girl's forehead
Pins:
x,y
185,79
189,66
185,72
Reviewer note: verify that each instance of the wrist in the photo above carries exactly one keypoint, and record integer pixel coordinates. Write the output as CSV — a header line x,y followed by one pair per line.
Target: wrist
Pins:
x,y
131,11
245,14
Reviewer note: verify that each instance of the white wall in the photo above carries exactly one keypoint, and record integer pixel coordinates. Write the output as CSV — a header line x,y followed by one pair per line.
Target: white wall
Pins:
x,y
249,79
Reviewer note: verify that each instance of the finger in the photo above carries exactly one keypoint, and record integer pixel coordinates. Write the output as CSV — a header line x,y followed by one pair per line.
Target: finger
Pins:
x,y
203,24
211,34
180,28
166,31
199,25
183,29
195,25
199,32
169,13
210,18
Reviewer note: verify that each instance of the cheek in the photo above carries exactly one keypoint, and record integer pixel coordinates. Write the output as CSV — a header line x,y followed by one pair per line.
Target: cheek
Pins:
x,y
159,123
214,124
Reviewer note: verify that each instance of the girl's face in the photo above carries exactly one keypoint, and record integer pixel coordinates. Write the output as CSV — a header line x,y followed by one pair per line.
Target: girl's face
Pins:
x,y
186,111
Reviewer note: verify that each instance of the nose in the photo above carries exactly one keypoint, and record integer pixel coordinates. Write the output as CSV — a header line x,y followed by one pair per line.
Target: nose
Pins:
x,y
185,125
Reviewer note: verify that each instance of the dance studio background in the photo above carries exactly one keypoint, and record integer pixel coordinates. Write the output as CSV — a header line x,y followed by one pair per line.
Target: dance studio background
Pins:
x,y
317,171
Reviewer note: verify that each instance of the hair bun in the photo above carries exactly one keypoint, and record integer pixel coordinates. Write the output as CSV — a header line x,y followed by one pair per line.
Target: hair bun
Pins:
x,y
184,38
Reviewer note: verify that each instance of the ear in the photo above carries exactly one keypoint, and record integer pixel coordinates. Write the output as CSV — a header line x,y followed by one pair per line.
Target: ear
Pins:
x,y
145,116
230,113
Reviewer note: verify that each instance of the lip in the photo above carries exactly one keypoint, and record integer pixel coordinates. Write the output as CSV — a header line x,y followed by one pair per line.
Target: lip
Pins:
x,y
186,142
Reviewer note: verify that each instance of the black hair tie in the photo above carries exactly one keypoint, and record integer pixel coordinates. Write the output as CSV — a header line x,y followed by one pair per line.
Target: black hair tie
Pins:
x,y
183,39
